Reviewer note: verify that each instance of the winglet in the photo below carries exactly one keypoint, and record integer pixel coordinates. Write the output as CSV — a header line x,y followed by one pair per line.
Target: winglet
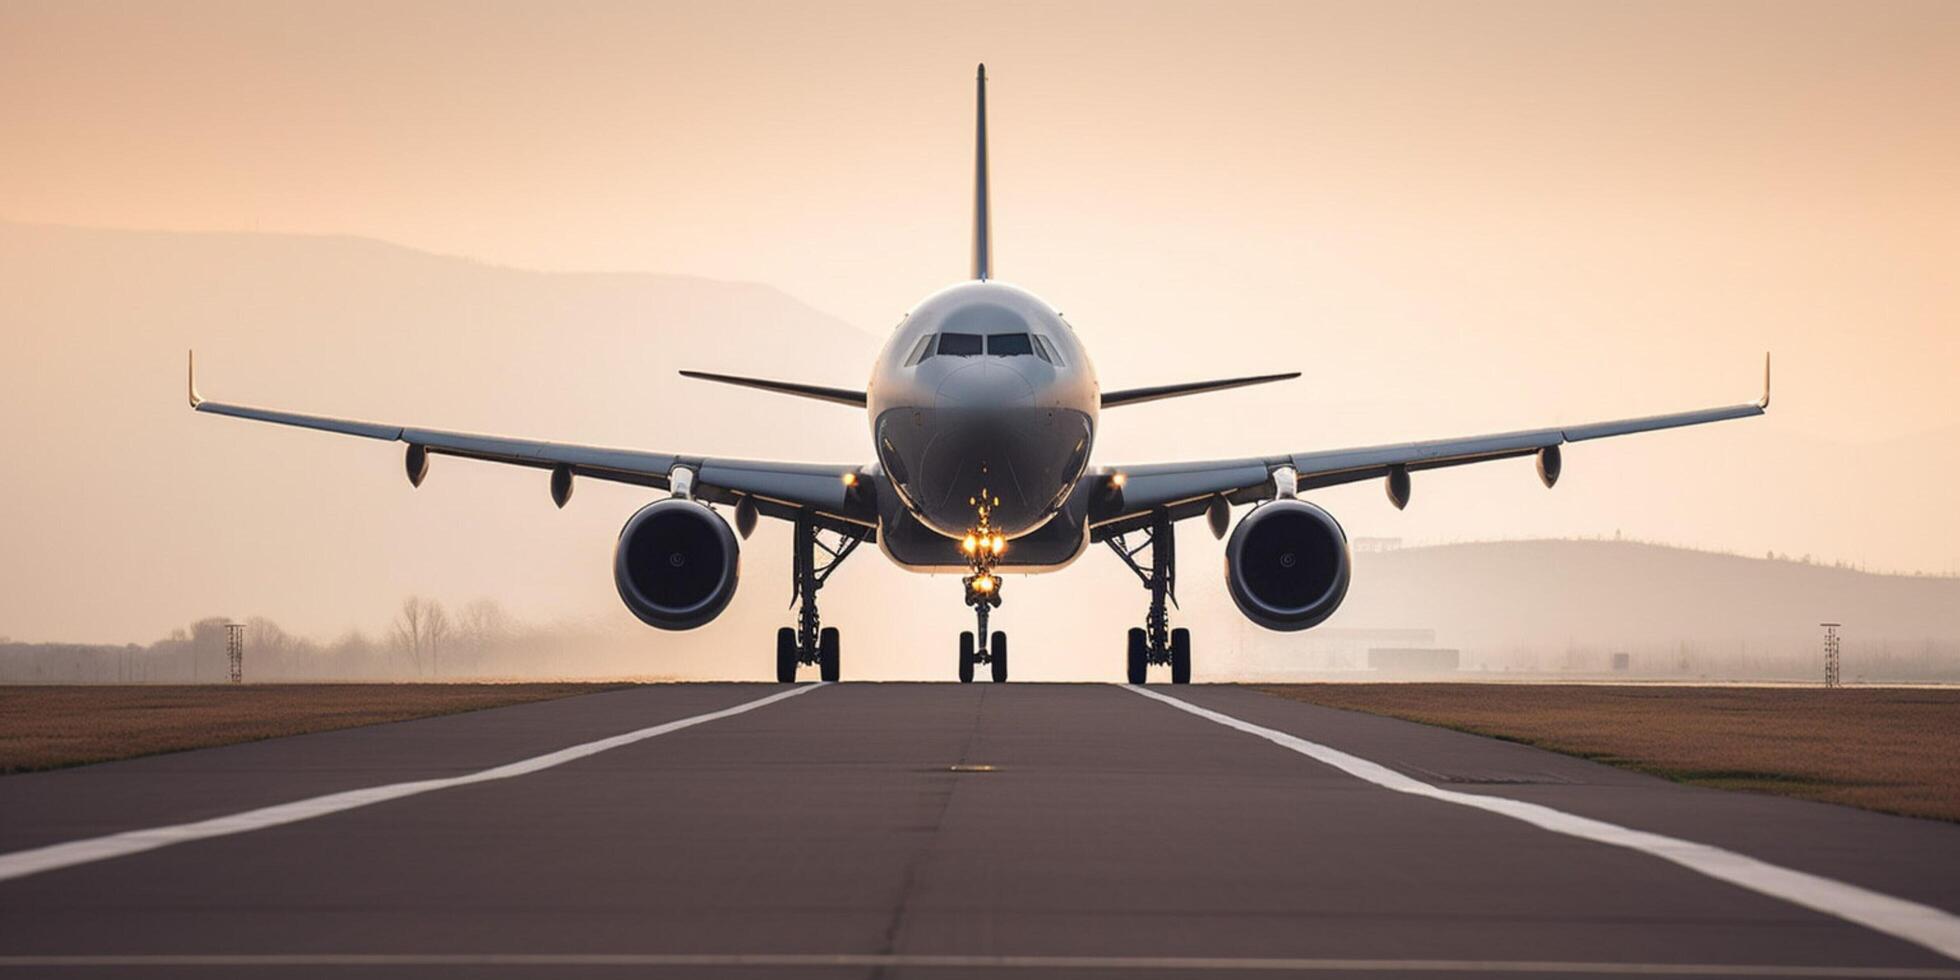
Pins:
x,y
1764,402
196,399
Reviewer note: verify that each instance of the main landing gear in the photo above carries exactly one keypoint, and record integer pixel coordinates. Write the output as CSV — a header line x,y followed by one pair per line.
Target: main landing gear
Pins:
x,y
809,641
1155,642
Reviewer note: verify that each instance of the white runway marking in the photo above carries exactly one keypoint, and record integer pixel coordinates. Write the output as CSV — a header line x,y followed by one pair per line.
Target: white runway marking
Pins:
x,y
20,864
1181,964
1925,925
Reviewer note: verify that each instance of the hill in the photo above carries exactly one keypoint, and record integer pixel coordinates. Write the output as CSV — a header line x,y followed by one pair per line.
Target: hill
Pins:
x,y
1565,606
126,515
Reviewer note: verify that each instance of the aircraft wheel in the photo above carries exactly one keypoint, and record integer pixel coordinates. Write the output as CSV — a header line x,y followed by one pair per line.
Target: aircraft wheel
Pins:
x,y
1180,656
999,658
786,656
827,653
966,658
1139,654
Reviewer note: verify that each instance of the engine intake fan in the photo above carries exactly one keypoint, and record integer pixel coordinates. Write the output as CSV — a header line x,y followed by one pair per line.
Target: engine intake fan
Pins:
x,y
1287,565
676,564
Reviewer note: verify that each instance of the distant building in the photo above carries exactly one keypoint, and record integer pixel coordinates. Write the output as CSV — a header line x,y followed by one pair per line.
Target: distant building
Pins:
x,y
1374,546
1622,661
1330,651
1349,638
1413,660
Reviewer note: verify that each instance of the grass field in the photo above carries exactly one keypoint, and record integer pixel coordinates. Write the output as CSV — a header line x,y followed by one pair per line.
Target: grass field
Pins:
x,y
52,727
1891,749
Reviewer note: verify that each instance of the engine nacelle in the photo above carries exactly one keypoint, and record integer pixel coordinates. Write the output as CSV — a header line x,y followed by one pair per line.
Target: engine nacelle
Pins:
x,y
1287,565
676,564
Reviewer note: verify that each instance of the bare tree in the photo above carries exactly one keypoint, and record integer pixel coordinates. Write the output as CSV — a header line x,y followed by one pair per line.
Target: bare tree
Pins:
x,y
436,631
484,622
483,627
422,627
266,637
410,629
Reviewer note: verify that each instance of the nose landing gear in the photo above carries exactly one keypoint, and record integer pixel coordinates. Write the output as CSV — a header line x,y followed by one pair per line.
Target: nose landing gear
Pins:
x,y
978,646
1155,642
983,548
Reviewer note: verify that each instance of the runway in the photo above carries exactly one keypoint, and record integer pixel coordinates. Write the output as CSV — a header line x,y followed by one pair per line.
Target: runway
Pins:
x,y
898,830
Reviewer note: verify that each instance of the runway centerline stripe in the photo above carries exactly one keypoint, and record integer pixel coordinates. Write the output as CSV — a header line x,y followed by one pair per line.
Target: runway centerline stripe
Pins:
x,y
1128,964
20,864
1924,925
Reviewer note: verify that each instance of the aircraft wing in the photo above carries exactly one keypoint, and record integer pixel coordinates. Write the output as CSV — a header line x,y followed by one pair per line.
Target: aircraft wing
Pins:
x,y
836,494
1124,497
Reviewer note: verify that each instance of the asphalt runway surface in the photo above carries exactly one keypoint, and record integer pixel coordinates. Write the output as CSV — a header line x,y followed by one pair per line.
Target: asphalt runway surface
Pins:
x,y
914,830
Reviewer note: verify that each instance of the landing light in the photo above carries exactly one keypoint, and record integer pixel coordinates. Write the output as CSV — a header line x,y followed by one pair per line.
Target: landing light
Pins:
x,y
984,583
1118,480
970,545
850,479
1000,544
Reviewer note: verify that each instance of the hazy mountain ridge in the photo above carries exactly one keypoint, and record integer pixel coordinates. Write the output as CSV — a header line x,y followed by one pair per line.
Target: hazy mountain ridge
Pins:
x,y
1566,605
54,242
125,509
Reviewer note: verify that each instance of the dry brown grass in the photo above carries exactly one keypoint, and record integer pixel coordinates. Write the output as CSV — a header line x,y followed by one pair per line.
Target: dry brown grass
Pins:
x,y
52,727
1889,749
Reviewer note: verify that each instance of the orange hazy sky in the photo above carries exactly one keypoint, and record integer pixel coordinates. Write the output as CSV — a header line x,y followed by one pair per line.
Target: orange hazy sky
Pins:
x,y
1671,172
1454,217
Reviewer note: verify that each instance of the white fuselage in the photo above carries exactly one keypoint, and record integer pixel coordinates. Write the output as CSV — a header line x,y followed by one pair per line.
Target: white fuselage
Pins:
x,y
983,396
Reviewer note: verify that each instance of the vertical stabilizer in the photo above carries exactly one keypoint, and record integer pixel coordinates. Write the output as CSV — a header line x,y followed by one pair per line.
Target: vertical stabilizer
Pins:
x,y
983,218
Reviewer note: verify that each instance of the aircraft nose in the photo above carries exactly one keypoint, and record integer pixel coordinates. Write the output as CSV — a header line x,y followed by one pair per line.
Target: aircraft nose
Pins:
x,y
985,385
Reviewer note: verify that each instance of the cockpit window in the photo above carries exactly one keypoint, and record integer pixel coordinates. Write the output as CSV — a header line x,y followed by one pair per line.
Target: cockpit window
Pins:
x,y
959,344
1009,344
1046,351
922,350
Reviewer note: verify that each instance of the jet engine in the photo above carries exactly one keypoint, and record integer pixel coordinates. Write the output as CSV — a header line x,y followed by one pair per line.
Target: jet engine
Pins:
x,y
676,564
1287,565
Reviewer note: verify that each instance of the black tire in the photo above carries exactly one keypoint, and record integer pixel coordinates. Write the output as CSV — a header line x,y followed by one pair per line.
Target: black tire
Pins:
x,y
1180,656
998,645
1139,654
786,656
966,658
827,653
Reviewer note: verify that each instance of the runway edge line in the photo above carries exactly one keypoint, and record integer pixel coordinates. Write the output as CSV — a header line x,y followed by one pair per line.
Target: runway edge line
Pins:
x,y
1923,925
1120,964
52,857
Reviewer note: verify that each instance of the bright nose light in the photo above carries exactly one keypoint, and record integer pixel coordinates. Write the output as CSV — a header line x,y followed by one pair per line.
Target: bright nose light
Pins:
x,y
970,545
984,583
1000,544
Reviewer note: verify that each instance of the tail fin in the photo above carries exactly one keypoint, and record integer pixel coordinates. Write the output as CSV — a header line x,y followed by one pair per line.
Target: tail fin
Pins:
x,y
983,219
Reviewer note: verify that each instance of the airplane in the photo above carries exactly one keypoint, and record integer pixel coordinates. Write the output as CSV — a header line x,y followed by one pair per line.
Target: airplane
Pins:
x,y
983,407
